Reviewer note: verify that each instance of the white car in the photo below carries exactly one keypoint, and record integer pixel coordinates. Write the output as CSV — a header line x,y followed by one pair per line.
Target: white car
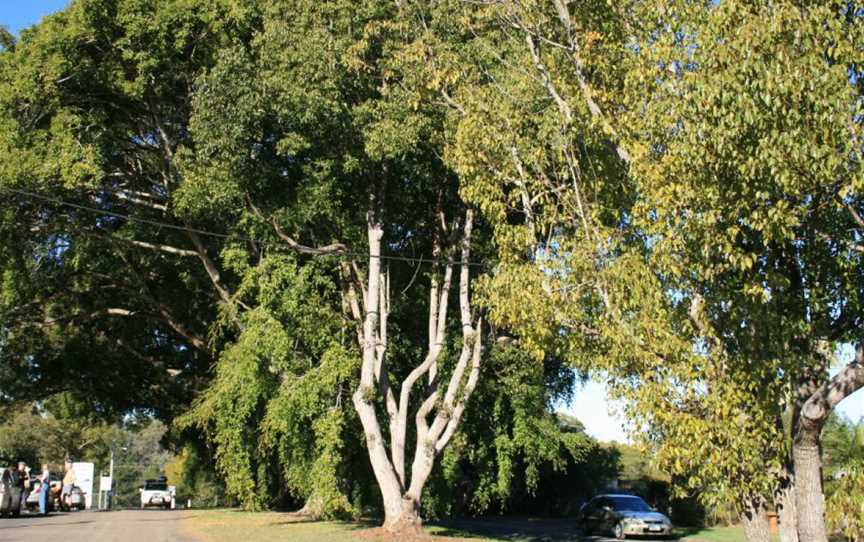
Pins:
x,y
157,493
10,494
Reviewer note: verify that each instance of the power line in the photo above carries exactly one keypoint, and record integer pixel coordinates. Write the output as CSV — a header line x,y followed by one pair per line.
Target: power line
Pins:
x,y
226,236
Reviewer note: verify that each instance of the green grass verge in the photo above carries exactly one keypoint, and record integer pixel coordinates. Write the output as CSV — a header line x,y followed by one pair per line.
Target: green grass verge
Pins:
x,y
224,525
716,534
230,525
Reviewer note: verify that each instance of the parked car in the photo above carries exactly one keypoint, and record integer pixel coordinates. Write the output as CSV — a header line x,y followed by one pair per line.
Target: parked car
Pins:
x,y
54,485
622,516
10,493
157,493
76,500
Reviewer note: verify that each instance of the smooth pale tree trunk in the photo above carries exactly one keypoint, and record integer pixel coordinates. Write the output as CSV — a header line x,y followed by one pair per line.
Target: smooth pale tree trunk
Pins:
x,y
809,498
374,396
807,446
755,521
787,516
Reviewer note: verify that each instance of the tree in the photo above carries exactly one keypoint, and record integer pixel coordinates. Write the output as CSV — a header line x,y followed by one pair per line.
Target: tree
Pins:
x,y
320,70
95,102
720,239
751,175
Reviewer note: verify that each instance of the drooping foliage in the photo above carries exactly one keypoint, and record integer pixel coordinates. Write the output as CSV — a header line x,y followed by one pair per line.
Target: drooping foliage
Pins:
x,y
95,100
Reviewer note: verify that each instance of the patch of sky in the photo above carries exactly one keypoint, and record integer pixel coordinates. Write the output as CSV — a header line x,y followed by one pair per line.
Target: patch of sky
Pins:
x,y
16,16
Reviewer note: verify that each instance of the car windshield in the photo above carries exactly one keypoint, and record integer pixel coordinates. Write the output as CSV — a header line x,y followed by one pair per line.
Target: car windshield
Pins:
x,y
629,504
156,485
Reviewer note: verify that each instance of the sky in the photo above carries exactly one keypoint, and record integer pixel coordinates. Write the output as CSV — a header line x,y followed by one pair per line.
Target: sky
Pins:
x,y
18,14
592,407
590,404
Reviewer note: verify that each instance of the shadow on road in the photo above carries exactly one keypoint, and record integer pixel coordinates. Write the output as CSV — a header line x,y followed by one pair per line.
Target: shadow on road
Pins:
x,y
518,530
166,517
521,530
4,526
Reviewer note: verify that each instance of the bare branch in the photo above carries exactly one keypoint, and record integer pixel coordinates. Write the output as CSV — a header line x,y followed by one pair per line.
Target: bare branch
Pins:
x,y
213,273
546,79
325,250
855,215
849,380
155,246
138,201
473,377
80,317
182,330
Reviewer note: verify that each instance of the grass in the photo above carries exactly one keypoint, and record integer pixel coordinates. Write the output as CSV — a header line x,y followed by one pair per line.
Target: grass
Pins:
x,y
225,525
716,534
219,525
229,525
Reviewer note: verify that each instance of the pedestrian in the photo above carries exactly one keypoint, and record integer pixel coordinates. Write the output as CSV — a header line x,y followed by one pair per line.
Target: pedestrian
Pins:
x,y
23,484
69,480
44,490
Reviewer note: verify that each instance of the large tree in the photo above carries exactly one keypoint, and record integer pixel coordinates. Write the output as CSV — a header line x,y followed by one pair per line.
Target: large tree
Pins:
x,y
746,118
104,284
717,295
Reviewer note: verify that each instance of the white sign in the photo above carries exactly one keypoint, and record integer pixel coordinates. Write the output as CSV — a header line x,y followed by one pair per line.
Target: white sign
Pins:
x,y
84,480
104,483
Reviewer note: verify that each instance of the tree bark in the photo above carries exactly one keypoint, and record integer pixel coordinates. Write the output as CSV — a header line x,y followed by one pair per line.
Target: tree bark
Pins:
x,y
363,398
787,516
402,500
755,522
809,499
807,446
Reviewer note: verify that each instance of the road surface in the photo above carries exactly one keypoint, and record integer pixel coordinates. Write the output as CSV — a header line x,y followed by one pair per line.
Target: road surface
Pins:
x,y
123,526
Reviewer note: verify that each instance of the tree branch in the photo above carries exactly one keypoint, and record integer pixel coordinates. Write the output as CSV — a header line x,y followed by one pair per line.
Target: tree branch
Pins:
x,y
849,380
155,246
80,317
215,277
333,248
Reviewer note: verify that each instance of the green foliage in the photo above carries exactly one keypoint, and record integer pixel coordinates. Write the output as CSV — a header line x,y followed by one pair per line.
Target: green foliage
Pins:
x,y
192,474
845,508
510,444
842,444
274,402
746,161
93,102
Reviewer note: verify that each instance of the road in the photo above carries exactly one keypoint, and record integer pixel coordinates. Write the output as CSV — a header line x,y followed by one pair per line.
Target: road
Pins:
x,y
124,526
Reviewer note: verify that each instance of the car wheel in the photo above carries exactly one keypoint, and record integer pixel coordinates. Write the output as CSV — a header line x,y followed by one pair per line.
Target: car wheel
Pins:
x,y
618,531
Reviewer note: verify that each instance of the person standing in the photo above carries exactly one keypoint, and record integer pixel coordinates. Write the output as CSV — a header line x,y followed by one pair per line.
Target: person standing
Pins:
x,y
23,484
44,489
69,480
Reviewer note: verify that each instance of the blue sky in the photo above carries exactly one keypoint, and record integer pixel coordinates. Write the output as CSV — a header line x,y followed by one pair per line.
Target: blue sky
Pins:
x,y
590,404
18,14
593,408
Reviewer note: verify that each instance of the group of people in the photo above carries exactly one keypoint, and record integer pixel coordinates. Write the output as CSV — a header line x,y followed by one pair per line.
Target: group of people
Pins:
x,y
26,484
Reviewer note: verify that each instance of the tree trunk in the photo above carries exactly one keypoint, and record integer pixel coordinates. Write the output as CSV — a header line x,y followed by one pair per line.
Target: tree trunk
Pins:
x,y
406,522
401,500
755,522
787,516
807,445
809,499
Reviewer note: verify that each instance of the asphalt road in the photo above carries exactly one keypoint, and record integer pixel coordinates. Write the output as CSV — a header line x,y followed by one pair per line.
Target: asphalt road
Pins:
x,y
124,526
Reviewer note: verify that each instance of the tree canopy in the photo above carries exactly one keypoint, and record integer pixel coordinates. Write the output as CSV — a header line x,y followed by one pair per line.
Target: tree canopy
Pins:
x,y
363,249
